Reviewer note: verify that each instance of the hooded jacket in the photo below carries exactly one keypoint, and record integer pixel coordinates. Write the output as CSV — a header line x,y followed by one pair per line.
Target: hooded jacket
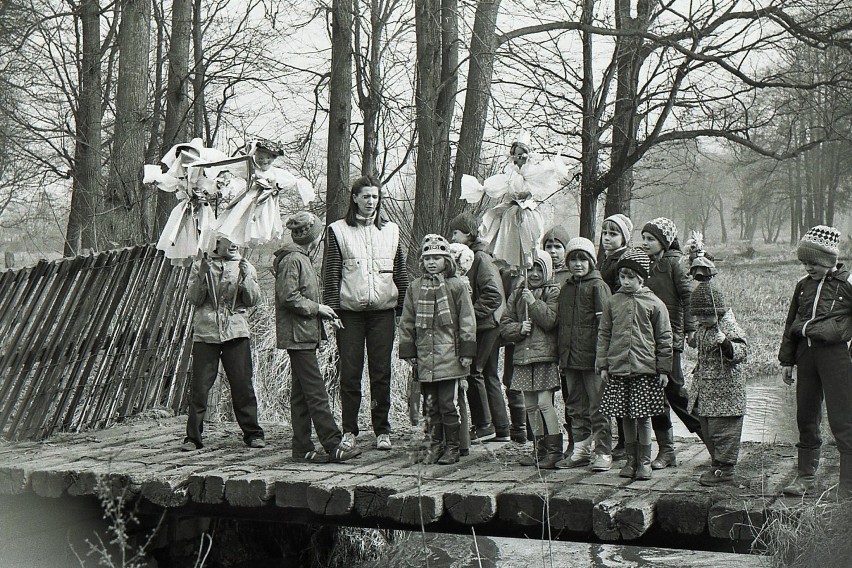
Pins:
x,y
820,314
635,336
487,286
221,298
608,267
581,304
297,299
670,282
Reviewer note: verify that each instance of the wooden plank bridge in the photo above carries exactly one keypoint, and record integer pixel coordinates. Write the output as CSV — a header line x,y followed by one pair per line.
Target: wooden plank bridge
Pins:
x,y
486,491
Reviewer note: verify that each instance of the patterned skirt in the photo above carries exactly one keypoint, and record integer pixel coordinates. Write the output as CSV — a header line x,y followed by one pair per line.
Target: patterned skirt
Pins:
x,y
535,377
637,396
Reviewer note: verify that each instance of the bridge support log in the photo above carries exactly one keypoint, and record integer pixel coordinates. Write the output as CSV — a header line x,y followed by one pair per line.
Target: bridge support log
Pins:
x,y
623,516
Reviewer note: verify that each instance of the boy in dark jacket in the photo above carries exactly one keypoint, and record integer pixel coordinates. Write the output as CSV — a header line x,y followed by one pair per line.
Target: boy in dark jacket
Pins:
x,y
485,396
299,330
816,337
668,280
581,303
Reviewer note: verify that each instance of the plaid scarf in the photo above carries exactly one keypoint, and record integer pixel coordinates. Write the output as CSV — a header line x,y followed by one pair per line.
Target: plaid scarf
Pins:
x,y
434,289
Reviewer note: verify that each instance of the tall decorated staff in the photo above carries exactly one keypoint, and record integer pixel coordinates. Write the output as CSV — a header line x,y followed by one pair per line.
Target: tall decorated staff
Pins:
x,y
514,227
196,175
253,215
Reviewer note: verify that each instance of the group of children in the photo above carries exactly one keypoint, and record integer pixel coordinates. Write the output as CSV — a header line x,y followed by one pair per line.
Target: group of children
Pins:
x,y
607,333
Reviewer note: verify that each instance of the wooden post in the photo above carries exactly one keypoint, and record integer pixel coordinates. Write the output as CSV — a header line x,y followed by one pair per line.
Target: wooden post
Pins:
x,y
9,259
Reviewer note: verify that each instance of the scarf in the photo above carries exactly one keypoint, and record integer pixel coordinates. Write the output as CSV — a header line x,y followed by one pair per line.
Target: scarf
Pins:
x,y
434,295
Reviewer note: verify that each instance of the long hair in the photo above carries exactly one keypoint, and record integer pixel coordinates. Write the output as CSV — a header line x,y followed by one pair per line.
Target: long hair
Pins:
x,y
357,186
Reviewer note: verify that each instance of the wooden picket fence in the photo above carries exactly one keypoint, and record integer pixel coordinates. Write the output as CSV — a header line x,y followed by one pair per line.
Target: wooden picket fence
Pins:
x,y
88,341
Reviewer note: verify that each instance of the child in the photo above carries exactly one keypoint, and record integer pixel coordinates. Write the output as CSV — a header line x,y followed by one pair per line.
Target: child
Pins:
x,y
634,357
555,240
299,330
463,257
487,405
581,303
719,387
530,323
437,335
222,288
616,236
668,280
816,336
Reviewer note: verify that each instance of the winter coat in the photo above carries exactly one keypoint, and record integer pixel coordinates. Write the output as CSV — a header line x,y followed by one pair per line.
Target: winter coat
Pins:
x,y
487,286
635,336
608,267
581,303
719,384
540,345
820,312
438,349
670,282
297,300
561,274
221,300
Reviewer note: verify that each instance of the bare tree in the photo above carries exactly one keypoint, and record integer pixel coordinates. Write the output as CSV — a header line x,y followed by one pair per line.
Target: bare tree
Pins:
x,y
339,111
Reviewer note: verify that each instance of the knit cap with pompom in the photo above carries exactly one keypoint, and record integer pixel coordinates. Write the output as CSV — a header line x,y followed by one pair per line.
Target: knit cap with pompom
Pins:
x,y
820,245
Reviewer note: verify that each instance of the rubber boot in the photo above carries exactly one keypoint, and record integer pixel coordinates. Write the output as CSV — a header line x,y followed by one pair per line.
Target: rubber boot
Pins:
x,y
643,462
538,453
666,456
580,457
629,469
844,488
451,445
805,481
618,451
570,449
553,447
436,446
517,418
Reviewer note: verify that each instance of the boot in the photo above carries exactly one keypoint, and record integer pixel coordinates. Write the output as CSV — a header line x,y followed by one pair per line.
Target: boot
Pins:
x,y
436,447
805,481
570,449
451,447
580,457
629,469
666,456
538,453
553,447
844,488
618,452
718,473
643,462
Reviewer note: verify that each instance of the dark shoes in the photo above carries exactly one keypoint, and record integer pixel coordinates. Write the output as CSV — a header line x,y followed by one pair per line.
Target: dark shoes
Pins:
x,y
341,454
481,434
312,456
189,446
718,474
256,443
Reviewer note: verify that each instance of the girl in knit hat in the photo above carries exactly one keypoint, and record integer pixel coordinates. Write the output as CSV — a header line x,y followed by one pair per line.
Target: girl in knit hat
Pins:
x,y
555,241
718,394
530,323
816,336
634,358
669,281
299,316
437,335
581,303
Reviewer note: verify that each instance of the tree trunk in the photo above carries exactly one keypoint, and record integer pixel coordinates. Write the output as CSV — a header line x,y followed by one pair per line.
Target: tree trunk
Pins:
x,y
589,150
80,233
369,81
177,94
128,208
483,45
153,152
339,111
722,224
200,126
434,96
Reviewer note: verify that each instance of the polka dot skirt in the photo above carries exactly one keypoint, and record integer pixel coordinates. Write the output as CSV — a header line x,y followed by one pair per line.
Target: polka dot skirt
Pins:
x,y
638,396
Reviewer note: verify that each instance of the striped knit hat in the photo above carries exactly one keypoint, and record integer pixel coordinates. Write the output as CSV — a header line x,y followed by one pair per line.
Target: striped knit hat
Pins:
x,y
663,229
707,299
636,260
820,245
624,224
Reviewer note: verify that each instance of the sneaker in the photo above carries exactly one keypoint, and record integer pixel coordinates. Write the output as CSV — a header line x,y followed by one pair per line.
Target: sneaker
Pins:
x,y
601,462
311,456
348,441
383,442
501,436
481,434
188,446
256,443
340,454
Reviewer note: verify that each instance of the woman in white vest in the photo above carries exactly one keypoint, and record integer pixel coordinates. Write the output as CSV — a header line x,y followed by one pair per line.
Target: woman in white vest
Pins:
x,y
364,281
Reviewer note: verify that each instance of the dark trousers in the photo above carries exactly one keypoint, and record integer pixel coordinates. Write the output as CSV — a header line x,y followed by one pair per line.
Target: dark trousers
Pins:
x,y
517,404
676,400
584,390
484,394
722,437
236,359
441,401
309,403
376,330
824,372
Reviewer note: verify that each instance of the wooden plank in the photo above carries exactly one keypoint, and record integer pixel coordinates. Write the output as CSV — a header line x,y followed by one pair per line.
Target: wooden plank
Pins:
x,y
371,497
293,492
527,503
334,496
572,506
472,503
735,520
625,515
416,507
684,512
